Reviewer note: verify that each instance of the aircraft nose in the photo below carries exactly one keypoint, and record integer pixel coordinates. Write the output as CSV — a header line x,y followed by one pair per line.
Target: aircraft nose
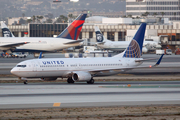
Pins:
x,y
14,71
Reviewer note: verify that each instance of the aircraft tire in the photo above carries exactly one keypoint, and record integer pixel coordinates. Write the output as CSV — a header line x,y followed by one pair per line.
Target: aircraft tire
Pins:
x,y
91,81
25,82
70,80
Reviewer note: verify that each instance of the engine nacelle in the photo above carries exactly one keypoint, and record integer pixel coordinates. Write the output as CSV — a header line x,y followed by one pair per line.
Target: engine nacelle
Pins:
x,y
144,50
48,79
81,76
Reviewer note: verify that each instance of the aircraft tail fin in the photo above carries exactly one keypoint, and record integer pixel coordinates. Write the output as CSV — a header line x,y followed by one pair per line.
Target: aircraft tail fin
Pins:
x,y
134,50
72,31
5,30
99,36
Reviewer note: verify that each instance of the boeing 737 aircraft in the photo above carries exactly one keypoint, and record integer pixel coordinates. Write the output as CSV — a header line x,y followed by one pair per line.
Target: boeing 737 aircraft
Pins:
x,y
84,69
68,38
103,43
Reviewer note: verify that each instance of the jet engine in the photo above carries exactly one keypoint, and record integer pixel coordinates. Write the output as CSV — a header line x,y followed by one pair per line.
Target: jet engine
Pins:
x,y
81,76
144,50
48,79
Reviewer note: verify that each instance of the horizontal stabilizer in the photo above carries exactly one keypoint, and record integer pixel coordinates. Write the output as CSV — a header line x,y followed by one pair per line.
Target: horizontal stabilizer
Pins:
x,y
158,62
142,60
74,42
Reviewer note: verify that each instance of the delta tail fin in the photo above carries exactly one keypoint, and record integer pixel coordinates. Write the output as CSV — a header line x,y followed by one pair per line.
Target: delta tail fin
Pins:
x,y
134,50
72,31
99,36
5,30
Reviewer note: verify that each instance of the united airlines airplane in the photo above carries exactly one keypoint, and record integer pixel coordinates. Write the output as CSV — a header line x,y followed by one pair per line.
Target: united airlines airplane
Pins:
x,y
68,38
84,69
104,43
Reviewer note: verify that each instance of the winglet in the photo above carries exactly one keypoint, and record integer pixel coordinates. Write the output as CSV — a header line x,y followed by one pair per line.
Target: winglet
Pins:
x,y
40,55
159,61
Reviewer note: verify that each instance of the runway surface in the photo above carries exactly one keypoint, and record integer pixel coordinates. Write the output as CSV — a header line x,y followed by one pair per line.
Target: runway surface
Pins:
x,y
42,95
50,95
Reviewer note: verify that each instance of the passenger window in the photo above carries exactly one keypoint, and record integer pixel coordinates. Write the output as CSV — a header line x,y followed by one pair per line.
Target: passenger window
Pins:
x,y
21,65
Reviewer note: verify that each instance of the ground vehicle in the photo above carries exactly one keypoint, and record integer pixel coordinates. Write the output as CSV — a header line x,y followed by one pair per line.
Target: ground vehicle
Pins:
x,y
6,55
177,52
19,55
159,52
166,52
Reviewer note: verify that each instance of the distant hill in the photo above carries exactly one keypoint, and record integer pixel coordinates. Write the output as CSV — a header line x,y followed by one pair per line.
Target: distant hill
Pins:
x,y
16,8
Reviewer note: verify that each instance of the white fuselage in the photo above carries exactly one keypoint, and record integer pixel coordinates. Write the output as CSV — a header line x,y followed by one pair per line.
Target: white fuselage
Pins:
x,y
62,67
122,45
36,44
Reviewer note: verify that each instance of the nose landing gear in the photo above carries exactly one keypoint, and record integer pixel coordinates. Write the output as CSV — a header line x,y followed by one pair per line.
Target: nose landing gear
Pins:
x,y
25,80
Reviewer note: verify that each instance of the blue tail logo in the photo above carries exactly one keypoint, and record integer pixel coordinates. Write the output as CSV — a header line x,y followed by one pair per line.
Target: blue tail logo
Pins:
x,y
134,50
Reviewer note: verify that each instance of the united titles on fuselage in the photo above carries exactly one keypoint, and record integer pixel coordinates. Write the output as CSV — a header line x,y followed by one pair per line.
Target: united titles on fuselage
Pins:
x,y
52,62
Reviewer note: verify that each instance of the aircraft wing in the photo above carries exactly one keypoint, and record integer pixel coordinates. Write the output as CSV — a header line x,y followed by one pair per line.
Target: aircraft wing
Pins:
x,y
74,42
14,44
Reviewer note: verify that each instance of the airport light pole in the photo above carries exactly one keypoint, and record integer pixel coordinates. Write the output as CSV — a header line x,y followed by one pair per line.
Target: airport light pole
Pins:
x,y
57,1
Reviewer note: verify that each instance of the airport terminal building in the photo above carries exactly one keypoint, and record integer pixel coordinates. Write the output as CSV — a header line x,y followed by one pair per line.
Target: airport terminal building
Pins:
x,y
167,33
159,8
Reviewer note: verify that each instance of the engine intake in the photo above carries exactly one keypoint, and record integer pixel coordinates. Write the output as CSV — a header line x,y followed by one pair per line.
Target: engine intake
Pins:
x,y
81,76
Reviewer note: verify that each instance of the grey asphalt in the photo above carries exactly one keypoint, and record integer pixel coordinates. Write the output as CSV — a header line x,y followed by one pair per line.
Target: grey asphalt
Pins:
x,y
42,95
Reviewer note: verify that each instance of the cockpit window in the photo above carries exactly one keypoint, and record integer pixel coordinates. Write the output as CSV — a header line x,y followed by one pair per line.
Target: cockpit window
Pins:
x,y
21,65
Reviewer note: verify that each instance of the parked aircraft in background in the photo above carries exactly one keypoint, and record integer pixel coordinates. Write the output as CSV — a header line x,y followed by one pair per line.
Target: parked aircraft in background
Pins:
x,y
5,30
68,38
106,44
84,69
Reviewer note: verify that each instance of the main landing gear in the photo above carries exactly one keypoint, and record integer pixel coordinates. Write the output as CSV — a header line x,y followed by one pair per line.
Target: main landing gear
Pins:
x,y
70,80
25,82
91,81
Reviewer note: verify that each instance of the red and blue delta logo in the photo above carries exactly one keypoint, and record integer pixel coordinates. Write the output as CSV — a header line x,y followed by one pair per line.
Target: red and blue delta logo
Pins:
x,y
73,31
